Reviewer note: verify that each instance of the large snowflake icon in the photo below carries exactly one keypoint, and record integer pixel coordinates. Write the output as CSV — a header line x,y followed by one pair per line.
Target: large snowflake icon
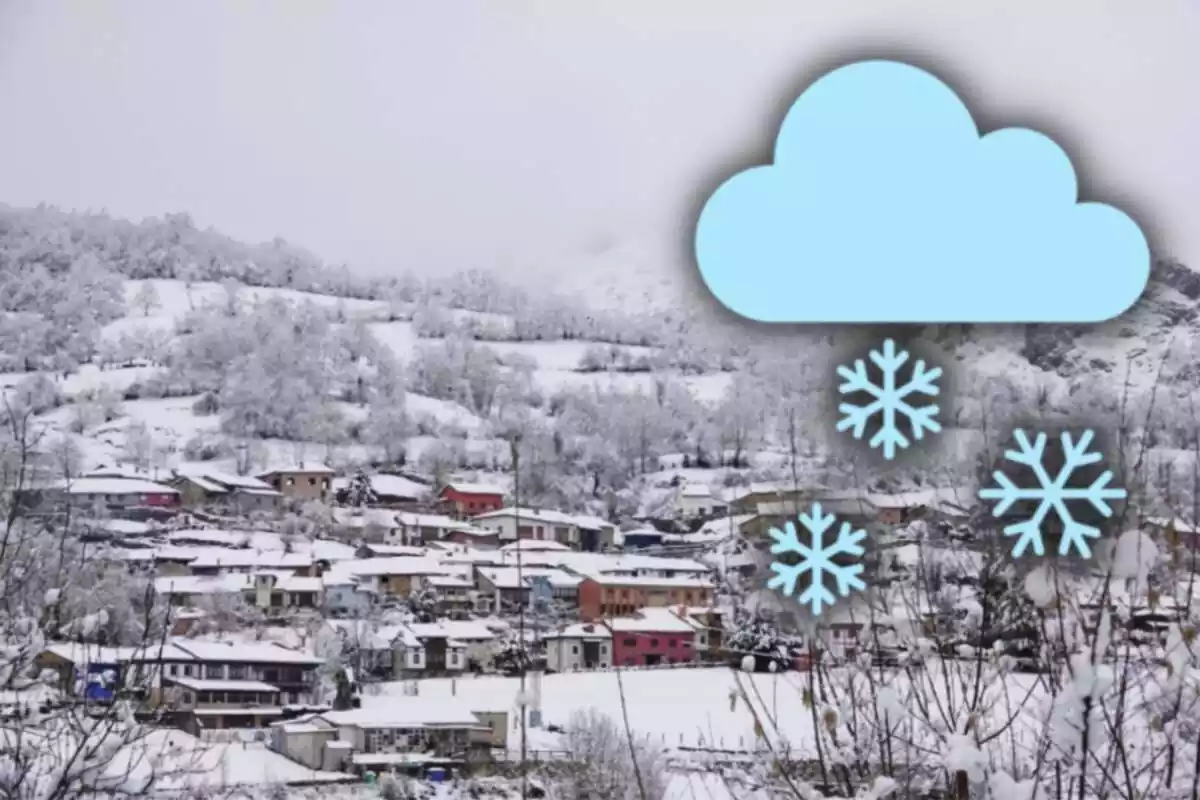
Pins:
x,y
816,559
1053,493
889,401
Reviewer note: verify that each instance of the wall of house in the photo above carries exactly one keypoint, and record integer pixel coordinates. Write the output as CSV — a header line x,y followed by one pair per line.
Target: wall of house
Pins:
x,y
347,600
468,505
566,654
308,747
407,659
497,722
631,649
301,485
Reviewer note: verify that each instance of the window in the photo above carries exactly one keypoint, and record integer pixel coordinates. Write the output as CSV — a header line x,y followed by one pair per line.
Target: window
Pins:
x,y
291,481
188,698
574,649
603,649
671,642
312,481
630,642
325,483
654,642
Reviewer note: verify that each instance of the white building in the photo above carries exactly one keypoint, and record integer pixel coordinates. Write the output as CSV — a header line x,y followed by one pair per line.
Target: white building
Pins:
x,y
575,531
579,647
694,500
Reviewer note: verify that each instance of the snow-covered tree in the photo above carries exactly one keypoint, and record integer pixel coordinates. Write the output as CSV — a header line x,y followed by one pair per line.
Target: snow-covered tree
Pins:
x,y
360,492
58,744
146,300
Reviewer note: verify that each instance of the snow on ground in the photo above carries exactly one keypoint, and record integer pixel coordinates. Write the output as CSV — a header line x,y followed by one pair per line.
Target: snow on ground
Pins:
x,y
676,707
399,336
175,760
445,412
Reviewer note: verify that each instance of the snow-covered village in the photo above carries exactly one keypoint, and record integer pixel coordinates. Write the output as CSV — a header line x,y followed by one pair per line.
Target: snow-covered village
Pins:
x,y
397,401
272,530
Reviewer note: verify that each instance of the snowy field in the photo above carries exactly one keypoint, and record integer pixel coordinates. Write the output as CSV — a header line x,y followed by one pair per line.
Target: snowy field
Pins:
x,y
681,707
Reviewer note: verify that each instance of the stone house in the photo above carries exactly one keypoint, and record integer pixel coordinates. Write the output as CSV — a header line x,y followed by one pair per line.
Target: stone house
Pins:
x,y
301,482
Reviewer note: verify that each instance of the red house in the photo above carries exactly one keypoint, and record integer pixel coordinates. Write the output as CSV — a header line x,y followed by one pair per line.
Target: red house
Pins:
x,y
462,500
654,636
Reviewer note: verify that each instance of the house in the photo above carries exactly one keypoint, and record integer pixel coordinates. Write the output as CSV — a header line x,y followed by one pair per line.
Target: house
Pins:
x,y
573,531
653,636
118,496
469,536
417,529
345,596
427,649
224,561
641,538
394,492
202,487
463,500
455,593
611,595
696,501
444,651
394,577
200,685
479,640
709,626
274,593
301,482
403,734
372,525
578,647
501,586
366,646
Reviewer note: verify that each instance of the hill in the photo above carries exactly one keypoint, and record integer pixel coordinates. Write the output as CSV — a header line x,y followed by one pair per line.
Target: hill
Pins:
x,y
154,343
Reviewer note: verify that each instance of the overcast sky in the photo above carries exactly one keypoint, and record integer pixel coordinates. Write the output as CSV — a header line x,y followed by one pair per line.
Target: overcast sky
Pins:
x,y
441,135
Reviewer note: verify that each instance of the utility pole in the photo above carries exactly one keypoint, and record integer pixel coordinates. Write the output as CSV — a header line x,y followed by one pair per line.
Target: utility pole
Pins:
x,y
514,444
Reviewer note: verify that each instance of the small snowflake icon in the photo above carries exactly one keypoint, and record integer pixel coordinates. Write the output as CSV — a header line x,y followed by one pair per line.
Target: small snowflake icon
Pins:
x,y
816,559
889,401
1052,493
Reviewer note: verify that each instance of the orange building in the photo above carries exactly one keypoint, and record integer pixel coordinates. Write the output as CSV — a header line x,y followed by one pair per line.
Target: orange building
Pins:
x,y
610,595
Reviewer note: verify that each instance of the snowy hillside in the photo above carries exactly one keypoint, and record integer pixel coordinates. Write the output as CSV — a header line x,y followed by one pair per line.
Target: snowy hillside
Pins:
x,y
156,343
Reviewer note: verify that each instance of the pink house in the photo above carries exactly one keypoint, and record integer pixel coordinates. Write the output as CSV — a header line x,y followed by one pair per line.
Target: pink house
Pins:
x,y
652,636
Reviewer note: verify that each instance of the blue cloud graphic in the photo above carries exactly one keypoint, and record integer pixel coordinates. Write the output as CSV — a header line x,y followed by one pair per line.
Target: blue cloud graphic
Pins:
x,y
884,204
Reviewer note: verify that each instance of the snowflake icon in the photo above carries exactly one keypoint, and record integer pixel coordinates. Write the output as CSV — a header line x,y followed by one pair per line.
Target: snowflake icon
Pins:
x,y
889,401
816,559
1052,493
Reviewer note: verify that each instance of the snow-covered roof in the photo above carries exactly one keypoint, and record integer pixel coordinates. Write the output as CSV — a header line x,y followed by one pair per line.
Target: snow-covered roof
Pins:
x,y
449,581
224,686
247,652
513,578
301,467
533,545
233,583
656,620
217,481
365,517
463,487
393,550
405,712
695,490
118,486
414,520
581,630
217,557
461,630
388,486
650,581
402,565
